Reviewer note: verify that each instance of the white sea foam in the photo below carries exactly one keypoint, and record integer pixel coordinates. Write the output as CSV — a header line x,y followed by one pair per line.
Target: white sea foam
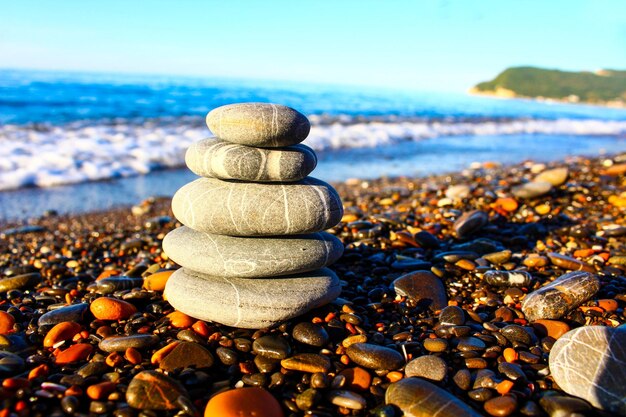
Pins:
x,y
45,156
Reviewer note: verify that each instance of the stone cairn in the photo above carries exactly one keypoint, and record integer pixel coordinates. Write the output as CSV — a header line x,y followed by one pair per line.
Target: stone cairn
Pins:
x,y
252,249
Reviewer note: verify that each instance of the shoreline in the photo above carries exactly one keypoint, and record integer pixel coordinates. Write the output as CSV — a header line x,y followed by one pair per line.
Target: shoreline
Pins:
x,y
506,94
391,228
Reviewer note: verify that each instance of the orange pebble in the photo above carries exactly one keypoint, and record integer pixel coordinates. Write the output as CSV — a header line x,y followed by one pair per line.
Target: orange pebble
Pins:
x,y
201,328
394,376
608,304
583,253
507,204
6,322
156,282
504,386
133,356
74,390
552,328
510,355
242,402
15,383
105,308
107,273
357,378
40,371
100,391
60,333
114,359
74,353
180,320
158,356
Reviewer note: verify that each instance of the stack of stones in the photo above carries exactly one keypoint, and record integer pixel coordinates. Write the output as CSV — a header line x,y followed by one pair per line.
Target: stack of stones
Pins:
x,y
252,249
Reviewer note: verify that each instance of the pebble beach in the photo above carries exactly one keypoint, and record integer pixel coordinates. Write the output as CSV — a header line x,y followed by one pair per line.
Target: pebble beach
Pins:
x,y
448,307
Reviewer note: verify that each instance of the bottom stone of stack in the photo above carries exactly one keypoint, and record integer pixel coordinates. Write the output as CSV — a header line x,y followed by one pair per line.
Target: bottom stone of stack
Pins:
x,y
250,303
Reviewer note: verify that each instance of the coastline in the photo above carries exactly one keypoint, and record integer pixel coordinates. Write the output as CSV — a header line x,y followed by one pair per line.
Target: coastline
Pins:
x,y
506,94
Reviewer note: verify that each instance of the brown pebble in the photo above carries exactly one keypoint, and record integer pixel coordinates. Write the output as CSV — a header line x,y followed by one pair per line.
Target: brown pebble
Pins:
x,y
105,308
501,406
100,391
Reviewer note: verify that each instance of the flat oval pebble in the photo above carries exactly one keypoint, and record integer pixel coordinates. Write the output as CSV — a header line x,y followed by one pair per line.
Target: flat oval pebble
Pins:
x,y
310,334
157,281
105,308
151,390
185,355
563,294
555,176
567,262
61,332
243,402
271,346
347,399
250,303
419,398
507,278
20,281
248,257
307,362
74,353
373,356
258,124
531,189
501,406
121,343
356,378
214,158
250,209
428,367
74,312
590,362
422,285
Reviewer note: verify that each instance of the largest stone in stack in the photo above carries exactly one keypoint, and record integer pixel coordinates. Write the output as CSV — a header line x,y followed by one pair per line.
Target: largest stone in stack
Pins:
x,y
252,247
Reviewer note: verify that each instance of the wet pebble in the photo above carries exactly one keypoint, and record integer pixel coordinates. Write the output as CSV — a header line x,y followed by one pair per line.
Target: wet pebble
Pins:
x,y
121,343
429,367
310,334
374,356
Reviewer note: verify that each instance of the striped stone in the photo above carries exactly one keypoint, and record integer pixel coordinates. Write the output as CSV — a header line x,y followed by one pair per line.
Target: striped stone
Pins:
x,y
216,158
250,303
259,124
251,257
251,209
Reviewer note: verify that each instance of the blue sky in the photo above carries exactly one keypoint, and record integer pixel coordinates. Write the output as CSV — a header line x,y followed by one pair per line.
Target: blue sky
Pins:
x,y
418,45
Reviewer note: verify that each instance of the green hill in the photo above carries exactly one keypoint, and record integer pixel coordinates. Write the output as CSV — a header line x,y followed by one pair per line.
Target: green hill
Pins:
x,y
601,87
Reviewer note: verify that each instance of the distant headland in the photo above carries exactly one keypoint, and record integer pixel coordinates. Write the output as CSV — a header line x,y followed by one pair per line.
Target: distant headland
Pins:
x,y
603,87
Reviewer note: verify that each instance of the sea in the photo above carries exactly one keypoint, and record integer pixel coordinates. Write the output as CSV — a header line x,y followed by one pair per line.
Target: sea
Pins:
x,y
77,142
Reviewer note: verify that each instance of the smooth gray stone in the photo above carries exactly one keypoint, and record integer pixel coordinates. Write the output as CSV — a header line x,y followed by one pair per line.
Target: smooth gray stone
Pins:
x,y
258,124
556,176
419,398
216,158
251,257
251,209
532,189
590,362
250,303
563,294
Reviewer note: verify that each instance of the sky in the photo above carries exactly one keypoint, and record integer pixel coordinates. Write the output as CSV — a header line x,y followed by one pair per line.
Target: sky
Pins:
x,y
431,45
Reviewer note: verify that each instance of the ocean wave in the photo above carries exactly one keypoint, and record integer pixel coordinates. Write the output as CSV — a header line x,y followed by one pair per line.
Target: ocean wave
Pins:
x,y
43,155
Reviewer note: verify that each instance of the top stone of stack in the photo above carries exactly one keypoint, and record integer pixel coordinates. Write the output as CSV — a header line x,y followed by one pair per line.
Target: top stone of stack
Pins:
x,y
258,124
